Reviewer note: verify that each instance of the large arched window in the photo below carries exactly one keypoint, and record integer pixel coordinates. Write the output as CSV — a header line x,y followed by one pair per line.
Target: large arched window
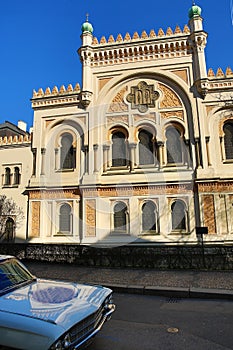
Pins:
x,y
16,176
65,218
149,217
146,148
228,140
67,152
120,217
119,156
178,211
7,181
173,145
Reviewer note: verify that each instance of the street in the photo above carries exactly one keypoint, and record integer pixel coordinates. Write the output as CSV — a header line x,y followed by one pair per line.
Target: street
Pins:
x,y
157,323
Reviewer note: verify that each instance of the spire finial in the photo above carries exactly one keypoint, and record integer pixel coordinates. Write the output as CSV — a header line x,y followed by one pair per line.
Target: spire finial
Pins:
x,y
87,17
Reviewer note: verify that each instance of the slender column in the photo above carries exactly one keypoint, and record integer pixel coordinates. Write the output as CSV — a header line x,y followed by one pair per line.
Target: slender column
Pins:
x,y
105,157
95,148
34,150
160,154
207,140
197,149
56,158
86,159
43,151
222,148
132,147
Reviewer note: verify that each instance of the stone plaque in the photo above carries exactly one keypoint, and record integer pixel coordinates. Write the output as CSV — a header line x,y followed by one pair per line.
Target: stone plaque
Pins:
x,y
142,96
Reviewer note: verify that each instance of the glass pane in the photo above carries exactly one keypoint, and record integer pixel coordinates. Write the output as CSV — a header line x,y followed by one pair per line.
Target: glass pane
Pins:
x,y
145,148
174,150
118,149
178,216
148,217
65,212
228,140
120,217
67,152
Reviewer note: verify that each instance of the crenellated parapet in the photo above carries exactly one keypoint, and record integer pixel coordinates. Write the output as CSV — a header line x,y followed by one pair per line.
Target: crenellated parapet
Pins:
x,y
220,80
16,140
146,46
53,97
161,33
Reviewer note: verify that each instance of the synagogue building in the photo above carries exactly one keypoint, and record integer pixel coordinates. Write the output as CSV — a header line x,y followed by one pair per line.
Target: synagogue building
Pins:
x,y
140,151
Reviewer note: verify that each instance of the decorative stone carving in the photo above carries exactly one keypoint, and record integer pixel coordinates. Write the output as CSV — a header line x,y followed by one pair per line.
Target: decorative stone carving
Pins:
x,y
142,97
176,114
118,119
35,231
118,104
90,218
209,213
170,99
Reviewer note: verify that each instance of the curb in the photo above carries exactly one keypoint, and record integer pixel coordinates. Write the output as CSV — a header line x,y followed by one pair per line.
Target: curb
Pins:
x,y
175,292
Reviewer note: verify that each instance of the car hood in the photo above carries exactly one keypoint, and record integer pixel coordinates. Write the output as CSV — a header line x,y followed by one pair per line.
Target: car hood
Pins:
x,y
56,302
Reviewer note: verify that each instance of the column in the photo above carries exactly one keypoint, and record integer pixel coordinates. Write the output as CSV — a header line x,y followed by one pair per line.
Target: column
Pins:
x,y
56,158
95,148
160,153
43,151
207,140
86,159
34,150
132,147
105,157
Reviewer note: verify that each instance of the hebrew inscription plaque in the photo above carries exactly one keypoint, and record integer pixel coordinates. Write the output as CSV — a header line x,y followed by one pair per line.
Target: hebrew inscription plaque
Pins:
x,y
142,97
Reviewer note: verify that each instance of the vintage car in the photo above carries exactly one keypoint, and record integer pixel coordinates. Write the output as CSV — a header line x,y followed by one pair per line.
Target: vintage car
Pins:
x,y
43,314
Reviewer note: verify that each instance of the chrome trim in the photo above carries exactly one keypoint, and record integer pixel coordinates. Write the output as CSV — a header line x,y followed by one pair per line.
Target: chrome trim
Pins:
x,y
105,318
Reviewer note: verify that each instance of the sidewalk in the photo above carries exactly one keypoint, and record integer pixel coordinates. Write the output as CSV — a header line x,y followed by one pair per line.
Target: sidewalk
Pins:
x,y
202,284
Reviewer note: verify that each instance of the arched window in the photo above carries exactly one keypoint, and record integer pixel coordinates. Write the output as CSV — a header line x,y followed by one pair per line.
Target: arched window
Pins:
x,y
65,218
120,217
67,152
7,177
174,146
178,215
146,155
16,176
148,216
228,140
9,230
119,149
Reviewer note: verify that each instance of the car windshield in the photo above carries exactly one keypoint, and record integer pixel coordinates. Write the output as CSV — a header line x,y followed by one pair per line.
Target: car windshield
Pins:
x,y
13,273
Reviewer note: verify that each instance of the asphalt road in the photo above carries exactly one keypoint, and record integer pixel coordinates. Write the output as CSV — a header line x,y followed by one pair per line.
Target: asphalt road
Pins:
x,y
157,323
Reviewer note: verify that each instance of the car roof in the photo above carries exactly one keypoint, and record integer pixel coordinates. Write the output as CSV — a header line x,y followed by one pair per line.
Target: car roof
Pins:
x,y
5,257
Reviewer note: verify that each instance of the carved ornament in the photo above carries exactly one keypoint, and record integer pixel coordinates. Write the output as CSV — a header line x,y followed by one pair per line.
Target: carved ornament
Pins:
x,y
170,99
118,104
142,97
176,114
35,231
90,218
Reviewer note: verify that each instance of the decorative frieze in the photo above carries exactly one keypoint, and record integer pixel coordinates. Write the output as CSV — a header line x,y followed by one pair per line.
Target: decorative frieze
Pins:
x,y
54,194
215,187
175,114
35,223
90,210
209,213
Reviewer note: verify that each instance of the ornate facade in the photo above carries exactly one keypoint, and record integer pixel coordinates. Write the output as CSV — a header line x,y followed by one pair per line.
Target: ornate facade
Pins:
x,y
143,152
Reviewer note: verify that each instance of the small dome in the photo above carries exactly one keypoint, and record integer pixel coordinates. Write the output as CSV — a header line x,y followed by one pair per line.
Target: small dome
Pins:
x,y
194,11
87,27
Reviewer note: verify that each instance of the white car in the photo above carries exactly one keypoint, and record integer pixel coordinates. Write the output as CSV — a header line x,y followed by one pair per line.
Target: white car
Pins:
x,y
45,314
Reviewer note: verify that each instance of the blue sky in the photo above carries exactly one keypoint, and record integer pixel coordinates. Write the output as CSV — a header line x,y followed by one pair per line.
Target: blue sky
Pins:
x,y
39,40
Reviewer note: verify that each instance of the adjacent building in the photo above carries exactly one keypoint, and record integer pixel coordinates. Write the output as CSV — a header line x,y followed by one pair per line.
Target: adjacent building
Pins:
x,y
142,152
